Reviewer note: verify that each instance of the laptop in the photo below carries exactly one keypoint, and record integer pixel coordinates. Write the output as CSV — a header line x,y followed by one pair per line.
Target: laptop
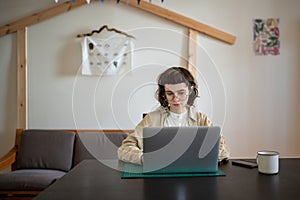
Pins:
x,y
181,149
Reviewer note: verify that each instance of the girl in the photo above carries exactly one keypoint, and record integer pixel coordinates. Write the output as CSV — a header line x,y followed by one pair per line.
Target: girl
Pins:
x,y
177,91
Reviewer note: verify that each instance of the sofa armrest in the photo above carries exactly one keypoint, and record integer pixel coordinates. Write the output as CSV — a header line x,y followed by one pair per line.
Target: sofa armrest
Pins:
x,y
8,159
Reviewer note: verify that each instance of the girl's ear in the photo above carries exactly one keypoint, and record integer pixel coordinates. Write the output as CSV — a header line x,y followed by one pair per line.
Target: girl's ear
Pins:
x,y
191,90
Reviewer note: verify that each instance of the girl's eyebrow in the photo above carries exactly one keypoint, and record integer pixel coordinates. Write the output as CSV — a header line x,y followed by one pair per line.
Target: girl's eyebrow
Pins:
x,y
175,91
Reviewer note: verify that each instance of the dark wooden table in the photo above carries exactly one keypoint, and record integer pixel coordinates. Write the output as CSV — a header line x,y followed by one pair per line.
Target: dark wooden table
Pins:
x,y
92,180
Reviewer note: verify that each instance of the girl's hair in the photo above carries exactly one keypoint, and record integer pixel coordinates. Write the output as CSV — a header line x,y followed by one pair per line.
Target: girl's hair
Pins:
x,y
176,75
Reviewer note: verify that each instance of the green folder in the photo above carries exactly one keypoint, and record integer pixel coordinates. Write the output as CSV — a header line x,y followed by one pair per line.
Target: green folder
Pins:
x,y
136,171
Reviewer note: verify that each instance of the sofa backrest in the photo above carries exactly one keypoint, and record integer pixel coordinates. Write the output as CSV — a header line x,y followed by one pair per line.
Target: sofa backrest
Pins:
x,y
46,149
98,145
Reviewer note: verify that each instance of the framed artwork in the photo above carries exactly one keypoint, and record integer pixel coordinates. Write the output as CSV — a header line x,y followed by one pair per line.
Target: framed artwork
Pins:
x,y
266,36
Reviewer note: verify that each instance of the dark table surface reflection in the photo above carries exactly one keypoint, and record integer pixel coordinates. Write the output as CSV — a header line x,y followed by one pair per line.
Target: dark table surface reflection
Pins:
x,y
93,180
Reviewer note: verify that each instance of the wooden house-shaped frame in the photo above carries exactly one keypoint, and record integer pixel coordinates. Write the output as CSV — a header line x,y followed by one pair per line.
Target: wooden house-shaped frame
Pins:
x,y
20,26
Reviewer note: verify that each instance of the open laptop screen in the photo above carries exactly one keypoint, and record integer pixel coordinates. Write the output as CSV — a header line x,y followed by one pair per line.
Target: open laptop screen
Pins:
x,y
181,149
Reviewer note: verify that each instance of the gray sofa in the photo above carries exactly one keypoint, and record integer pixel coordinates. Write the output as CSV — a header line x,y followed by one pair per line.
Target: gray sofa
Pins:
x,y
43,156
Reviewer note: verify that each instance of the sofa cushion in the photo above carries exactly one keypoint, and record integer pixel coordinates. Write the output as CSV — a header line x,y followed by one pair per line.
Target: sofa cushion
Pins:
x,y
46,149
29,179
97,145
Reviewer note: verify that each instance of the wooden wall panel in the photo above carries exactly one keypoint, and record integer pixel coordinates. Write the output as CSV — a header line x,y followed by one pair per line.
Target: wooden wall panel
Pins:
x,y
22,77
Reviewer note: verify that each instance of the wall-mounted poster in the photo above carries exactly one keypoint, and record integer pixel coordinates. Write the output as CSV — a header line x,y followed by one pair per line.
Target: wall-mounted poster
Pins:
x,y
266,36
106,56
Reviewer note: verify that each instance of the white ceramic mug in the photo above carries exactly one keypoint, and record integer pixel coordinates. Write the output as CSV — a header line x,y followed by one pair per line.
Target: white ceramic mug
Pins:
x,y
268,162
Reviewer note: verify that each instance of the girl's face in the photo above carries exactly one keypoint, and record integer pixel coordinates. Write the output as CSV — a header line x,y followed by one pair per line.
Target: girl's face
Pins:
x,y
177,96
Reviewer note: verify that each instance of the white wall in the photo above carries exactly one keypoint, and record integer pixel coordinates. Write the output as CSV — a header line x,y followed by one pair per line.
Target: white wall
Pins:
x,y
254,98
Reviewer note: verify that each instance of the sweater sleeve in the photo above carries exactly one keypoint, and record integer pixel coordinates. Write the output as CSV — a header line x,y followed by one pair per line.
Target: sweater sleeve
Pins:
x,y
131,149
224,151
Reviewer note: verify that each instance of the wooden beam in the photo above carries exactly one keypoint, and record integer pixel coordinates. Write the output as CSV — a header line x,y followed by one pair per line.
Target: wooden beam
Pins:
x,y
192,52
149,7
22,77
8,159
182,20
41,16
